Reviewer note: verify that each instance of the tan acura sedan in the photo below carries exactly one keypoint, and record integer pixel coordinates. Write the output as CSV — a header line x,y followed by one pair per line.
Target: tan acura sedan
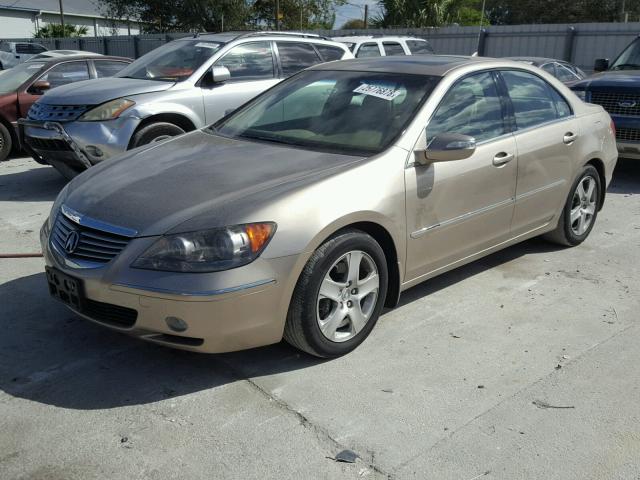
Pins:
x,y
304,212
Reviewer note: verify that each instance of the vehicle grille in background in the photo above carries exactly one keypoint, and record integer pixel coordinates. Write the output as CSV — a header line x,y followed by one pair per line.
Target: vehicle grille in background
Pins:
x,y
109,314
53,144
56,113
612,101
628,134
94,245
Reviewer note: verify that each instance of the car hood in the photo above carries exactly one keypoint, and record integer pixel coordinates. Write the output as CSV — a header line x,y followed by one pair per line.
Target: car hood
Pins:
x,y
619,79
100,90
160,188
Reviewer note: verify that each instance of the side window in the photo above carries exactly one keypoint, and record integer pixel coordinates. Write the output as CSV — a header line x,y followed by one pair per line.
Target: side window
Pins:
x,y
549,68
562,107
393,48
564,74
108,68
249,61
471,107
419,47
532,98
296,56
329,53
29,48
65,73
368,50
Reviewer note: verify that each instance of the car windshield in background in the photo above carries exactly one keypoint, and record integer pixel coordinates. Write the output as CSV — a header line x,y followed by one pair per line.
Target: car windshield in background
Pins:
x,y
628,59
17,76
338,111
173,62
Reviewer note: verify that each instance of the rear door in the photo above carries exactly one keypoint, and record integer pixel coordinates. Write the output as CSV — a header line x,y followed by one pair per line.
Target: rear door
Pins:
x,y
546,134
460,208
253,70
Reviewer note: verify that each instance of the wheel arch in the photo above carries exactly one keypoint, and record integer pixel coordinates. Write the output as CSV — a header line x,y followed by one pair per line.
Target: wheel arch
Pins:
x,y
177,119
598,164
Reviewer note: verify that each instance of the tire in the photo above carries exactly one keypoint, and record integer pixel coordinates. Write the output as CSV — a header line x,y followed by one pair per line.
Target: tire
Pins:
x,y
328,268
6,142
584,202
155,132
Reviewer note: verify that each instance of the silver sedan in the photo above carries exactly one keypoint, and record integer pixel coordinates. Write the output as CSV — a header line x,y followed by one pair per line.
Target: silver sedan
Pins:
x,y
306,211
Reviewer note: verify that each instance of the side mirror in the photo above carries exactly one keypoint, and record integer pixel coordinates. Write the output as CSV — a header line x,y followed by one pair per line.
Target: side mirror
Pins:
x,y
446,147
39,87
601,64
220,74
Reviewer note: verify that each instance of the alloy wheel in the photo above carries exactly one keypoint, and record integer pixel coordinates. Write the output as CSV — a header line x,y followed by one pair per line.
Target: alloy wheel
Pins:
x,y
583,205
347,296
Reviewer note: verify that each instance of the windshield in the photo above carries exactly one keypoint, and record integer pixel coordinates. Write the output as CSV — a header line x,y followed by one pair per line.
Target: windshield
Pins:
x,y
629,59
339,111
18,75
173,62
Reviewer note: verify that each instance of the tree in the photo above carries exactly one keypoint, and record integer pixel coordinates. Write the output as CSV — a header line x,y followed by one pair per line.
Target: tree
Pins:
x,y
353,24
428,13
54,30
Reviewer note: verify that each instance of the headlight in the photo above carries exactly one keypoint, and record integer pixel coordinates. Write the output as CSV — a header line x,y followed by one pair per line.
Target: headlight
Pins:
x,y
581,94
107,111
208,250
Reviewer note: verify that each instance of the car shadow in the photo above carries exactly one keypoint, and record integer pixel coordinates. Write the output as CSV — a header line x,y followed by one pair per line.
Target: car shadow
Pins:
x,y
626,177
36,184
49,355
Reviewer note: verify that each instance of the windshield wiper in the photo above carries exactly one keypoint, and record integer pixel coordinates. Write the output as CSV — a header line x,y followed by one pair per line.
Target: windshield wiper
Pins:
x,y
265,138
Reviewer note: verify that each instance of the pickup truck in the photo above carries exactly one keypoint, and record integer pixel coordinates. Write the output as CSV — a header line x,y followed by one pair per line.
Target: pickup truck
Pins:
x,y
616,86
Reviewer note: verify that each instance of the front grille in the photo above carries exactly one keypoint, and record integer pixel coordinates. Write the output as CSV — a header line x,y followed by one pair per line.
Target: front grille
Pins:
x,y
618,103
54,144
109,314
56,113
628,134
94,245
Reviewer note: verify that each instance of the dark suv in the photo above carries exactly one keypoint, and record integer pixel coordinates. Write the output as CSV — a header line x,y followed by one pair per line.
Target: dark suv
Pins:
x,y
617,88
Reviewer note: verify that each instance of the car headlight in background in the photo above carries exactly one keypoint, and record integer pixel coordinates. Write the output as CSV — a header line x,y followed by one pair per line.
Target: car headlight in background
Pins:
x,y
581,94
208,250
107,111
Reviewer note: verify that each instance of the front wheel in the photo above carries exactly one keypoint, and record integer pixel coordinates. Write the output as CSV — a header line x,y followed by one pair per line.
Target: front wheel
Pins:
x,y
5,142
155,132
339,296
580,210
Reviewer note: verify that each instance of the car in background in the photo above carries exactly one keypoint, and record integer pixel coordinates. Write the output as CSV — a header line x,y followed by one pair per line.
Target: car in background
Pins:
x,y
14,53
308,209
616,87
59,53
386,46
22,85
566,72
178,87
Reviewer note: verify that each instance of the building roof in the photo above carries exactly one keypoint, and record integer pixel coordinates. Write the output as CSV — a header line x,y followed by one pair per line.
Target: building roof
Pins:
x,y
71,7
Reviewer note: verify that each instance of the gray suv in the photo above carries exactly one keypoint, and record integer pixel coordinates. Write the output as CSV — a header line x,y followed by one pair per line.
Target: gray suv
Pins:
x,y
181,86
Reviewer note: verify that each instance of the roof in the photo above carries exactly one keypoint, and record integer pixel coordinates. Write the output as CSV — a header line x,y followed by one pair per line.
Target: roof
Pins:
x,y
78,7
436,65
535,60
365,38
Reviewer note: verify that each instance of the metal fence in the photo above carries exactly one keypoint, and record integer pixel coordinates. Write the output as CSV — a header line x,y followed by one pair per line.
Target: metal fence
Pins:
x,y
579,43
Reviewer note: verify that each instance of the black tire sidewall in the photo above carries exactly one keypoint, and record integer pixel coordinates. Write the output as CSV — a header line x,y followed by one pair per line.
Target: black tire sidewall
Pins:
x,y
339,246
154,130
7,143
571,237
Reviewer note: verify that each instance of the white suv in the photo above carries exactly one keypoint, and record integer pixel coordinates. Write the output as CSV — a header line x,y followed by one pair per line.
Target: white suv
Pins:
x,y
370,46
13,53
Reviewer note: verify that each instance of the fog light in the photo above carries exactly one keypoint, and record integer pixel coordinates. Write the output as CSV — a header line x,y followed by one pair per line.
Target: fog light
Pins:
x,y
176,324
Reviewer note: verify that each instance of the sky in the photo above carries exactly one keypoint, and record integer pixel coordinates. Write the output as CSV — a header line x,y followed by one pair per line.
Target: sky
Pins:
x,y
355,9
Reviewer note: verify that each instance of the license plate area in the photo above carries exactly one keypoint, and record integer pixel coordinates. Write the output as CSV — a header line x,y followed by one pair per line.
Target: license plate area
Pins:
x,y
67,289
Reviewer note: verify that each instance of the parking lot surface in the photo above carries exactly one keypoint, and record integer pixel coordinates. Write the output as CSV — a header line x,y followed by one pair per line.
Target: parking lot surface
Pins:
x,y
521,365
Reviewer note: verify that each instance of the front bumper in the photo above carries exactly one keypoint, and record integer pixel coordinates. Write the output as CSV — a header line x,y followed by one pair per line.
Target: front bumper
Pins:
x,y
77,145
627,136
246,307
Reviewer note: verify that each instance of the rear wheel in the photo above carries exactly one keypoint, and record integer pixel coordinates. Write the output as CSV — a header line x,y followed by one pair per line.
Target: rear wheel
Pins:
x,y
580,210
339,296
6,142
155,132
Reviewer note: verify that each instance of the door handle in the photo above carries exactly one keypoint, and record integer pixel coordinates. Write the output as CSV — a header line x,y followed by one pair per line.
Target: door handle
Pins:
x,y
502,158
569,137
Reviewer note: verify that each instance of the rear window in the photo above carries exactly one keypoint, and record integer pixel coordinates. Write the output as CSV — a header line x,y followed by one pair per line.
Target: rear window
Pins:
x,y
392,49
108,68
329,53
296,56
418,47
29,48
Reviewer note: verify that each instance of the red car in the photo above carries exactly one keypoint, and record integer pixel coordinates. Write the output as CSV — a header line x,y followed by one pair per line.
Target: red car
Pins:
x,y
23,84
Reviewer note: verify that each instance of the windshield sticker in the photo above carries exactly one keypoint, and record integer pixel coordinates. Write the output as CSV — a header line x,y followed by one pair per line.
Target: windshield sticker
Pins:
x,y
386,93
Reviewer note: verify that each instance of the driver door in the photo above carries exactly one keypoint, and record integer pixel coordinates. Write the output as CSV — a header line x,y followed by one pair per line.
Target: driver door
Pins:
x,y
253,70
459,208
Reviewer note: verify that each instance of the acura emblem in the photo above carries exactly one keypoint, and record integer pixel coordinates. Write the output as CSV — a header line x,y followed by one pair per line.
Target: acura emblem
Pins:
x,y
627,104
71,243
